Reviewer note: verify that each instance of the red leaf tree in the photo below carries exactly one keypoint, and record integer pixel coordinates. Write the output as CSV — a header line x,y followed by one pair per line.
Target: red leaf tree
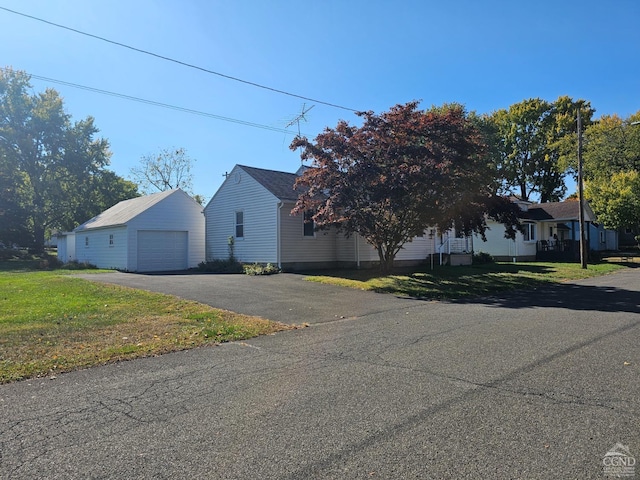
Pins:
x,y
399,173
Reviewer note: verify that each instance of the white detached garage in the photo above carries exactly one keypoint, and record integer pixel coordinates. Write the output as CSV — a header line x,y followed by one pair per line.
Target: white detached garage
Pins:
x,y
159,232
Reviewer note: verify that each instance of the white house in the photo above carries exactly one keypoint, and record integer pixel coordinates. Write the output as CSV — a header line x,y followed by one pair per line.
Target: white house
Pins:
x,y
552,232
253,206
159,232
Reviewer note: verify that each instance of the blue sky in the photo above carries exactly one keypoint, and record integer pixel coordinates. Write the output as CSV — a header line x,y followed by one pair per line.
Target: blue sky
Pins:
x,y
359,54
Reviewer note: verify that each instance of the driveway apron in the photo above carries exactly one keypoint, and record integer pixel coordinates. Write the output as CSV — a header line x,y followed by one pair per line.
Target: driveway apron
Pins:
x,y
285,297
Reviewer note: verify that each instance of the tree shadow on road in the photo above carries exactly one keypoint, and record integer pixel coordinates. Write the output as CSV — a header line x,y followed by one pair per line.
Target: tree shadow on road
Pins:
x,y
568,296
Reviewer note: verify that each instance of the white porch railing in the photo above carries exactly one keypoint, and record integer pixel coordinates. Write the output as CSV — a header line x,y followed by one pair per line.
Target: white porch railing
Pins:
x,y
451,244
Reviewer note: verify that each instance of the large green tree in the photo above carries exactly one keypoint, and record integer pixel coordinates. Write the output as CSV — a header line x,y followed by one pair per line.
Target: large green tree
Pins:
x,y
399,173
616,200
612,169
13,212
58,167
535,142
611,145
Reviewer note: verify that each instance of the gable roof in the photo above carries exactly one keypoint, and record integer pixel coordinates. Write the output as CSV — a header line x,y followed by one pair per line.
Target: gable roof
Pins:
x,y
125,211
280,184
568,210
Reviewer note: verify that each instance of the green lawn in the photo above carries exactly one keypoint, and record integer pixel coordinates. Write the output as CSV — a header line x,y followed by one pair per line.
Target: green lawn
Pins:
x,y
51,322
457,282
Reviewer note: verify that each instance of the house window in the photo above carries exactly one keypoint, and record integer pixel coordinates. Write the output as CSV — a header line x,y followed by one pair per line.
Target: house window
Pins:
x,y
86,241
240,224
603,237
529,232
111,239
308,224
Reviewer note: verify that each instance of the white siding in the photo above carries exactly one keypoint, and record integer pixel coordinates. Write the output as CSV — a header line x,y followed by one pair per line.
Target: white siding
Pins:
x,y
260,209
66,247
295,247
177,212
61,251
71,247
499,246
612,239
366,251
417,249
346,248
94,247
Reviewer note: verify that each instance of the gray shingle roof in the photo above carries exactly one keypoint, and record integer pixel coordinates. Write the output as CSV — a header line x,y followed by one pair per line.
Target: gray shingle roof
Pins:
x,y
279,184
567,210
124,211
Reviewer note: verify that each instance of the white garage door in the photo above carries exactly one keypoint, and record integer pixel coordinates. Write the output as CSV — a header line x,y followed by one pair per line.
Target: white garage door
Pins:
x,y
161,250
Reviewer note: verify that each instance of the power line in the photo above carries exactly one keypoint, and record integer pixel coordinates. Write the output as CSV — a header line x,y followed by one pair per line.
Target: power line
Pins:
x,y
159,104
179,62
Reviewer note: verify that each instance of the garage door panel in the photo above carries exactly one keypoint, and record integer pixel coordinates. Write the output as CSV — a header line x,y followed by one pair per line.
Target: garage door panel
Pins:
x,y
162,250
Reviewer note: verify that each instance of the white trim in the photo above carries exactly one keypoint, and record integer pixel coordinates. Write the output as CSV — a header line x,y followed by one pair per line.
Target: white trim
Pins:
x,y
278,235
531,228
236,224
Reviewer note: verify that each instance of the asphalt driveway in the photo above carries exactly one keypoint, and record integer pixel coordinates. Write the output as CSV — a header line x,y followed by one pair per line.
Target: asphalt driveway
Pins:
x,y
284,297
538,384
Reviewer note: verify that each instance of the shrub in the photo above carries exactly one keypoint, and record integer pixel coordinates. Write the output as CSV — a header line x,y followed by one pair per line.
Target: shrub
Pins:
x,y
48,263
220,266
75,265
259,269
231,241
17,254
482,258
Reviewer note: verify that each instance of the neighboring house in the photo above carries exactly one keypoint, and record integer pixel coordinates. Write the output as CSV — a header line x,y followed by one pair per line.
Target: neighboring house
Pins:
x,y
253,206
159,232
52,241
628,236
552,232
66,248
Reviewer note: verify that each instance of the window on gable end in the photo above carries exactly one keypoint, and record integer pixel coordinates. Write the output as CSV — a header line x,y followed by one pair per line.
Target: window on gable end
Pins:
x,y
240,224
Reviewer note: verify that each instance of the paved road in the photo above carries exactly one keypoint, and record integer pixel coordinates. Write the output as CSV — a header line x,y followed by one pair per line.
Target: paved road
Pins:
x,y
536,384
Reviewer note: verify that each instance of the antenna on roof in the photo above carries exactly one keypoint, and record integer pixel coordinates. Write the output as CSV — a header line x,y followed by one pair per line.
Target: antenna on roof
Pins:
x,y
300,116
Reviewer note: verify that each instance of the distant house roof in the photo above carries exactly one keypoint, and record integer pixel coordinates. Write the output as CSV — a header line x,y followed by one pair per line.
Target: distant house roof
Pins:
x,y
568,210
124,211
279,184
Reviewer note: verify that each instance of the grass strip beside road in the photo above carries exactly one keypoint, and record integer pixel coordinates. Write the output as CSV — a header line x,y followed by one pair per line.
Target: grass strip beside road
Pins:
x,y
463,281
51,322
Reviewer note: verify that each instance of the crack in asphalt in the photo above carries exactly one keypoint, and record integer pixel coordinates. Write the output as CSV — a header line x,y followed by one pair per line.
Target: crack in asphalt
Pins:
x,y
410,422
119,411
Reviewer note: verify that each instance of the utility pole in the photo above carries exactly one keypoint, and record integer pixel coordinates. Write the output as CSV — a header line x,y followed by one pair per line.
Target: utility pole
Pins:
x,y
583,240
